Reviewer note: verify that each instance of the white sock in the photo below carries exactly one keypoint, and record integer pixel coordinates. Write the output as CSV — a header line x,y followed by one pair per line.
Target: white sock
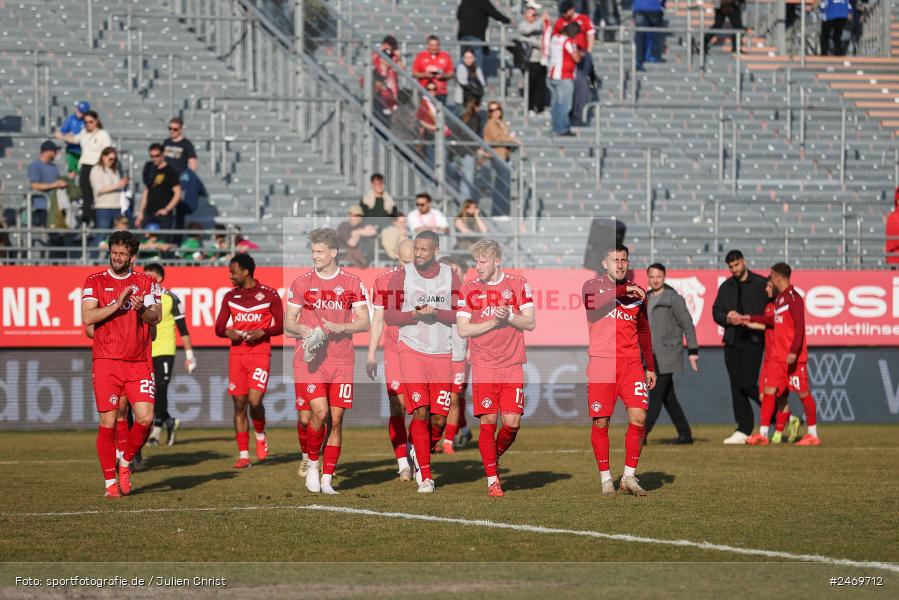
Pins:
x,y
491,479
260,436
244,454
119,454
110,482
305,456
447,442
629,471
326,480
763,430
813,430
605,476
124,463
403,463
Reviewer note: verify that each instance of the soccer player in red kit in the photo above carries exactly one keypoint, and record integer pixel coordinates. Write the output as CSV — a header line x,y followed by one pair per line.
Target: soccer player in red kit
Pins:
x,y
495,309
620,346
787,368
325,307
255,315
122,305
456,424
421,300
396,424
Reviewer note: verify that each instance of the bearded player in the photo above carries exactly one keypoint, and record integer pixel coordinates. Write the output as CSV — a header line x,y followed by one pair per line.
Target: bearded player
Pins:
x,y
396,424
495,309
122,305
787,368
254,313
325,307
421,300
620,346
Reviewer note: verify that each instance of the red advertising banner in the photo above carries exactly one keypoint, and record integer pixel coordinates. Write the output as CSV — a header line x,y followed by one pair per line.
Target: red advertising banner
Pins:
x,y
41,306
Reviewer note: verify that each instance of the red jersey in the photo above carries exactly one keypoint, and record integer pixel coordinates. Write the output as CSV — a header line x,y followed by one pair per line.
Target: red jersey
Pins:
x,y
426,62
768,318
618,323
258,307
124,335
561,57
391,332
587,29
504,346
788,334
332,299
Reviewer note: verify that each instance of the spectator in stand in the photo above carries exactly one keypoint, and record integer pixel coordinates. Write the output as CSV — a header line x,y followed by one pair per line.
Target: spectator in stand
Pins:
x,y
44,176
154,247
434,66
162,192
584,76
93,139
73,125
564,56
497,131
357,239
393,235
724,9
384,78
426,217
533,30
221,251
474,17
606,15
648,13
179,152
243,244
191,247
377,204
465,155
470,82
834,14
426,115
469,225
892,234
107,185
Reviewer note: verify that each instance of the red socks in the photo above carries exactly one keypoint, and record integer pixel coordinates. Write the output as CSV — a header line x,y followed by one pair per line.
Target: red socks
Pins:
x,y
811,417
421,440
505,438
314,440
599,438
436,434
243,441
633,439
450,431
259,425
137,437
329,461
106,437
768,402
121,435
487,446
782,418
302,436
396,428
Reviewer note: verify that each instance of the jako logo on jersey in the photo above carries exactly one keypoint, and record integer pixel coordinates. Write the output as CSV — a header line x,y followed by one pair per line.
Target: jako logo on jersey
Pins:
x,y
416,397
486,402
113,399
423,299
310,388
243,317
596,407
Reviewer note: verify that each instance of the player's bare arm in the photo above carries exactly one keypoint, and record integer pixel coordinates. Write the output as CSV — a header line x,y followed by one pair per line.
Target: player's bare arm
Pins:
x,y
651,379
150,315
526,320
374,338
292,326
91,313
359,323
467,329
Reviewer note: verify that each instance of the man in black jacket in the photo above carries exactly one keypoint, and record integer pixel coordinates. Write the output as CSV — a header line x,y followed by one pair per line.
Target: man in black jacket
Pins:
x,y
743,347
473,16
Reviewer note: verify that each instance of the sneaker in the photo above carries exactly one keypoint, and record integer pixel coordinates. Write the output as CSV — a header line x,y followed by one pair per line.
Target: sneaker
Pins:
x,y
313,481
304,467
777,437
809,440
532,114
448,447
426,487
261,449
793,429
405,474
124,480
495,490
413,462
242,463
608,488
113,492
171,426
757,439
137,463
155,433
737,438
630,485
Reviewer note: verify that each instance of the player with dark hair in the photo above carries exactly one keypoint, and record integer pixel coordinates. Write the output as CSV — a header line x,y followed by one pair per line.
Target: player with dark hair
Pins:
x,y
325,307
122,305
495,309
421,300
620,365
254,313
164,348
396,424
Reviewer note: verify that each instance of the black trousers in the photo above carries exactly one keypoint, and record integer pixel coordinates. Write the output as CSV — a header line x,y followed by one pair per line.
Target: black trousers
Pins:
x,y
743,361
537,93
663,395
162,374
832,37
87,193
736,22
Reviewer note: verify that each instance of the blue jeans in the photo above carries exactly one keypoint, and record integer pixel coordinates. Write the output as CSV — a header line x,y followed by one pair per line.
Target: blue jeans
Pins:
x,y
646,40
563,96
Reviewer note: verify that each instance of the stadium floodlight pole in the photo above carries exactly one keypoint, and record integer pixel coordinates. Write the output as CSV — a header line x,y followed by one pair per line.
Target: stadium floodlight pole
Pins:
x,y
843,147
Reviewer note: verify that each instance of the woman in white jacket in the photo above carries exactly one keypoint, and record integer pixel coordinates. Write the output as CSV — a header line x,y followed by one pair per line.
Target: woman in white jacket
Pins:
x,y
93,139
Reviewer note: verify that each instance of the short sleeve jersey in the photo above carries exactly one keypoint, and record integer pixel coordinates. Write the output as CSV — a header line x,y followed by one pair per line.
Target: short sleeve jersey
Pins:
x,y
618,323
789,322
124,335
258,307
426,62
165,343
332,299
504,346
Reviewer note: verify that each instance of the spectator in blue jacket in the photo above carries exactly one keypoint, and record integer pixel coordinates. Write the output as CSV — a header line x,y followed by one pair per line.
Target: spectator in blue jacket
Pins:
x,y
648,13
73,124
834,14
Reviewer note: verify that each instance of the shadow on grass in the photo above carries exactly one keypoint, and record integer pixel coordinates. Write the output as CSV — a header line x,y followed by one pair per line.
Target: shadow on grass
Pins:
x,y
365,472
180,459
653,480
184,482
201,440
532,480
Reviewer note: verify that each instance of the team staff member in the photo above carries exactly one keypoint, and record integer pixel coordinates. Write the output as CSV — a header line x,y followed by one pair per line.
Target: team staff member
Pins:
x,y
742,294
670,323
164,349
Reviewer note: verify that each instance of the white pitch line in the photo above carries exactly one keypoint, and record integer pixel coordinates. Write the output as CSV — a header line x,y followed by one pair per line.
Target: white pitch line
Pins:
x,y
616,537
47,462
